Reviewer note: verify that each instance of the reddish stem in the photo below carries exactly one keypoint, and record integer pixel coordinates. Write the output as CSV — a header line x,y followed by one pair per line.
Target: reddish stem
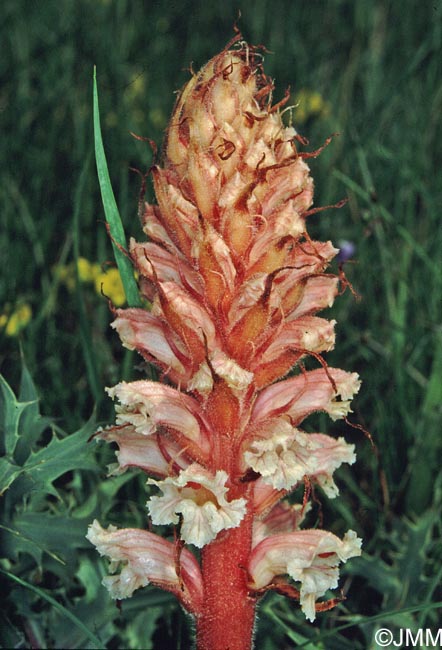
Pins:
x,y
226,622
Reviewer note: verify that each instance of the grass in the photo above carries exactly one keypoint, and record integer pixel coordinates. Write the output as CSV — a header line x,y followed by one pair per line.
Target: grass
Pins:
x,y
378,67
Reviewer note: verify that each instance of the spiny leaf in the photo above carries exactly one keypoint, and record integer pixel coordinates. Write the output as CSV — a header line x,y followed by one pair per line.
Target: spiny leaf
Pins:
x,y
61,456
31,424
8,473
20,423
12,410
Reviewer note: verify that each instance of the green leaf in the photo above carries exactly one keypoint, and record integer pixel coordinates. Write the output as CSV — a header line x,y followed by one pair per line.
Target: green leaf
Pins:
x,y
143,627
20,424
111,211
433,395
12,410
8,473
31,424
61,456
378,573
355,621
60,608
35,533
289,631
413,540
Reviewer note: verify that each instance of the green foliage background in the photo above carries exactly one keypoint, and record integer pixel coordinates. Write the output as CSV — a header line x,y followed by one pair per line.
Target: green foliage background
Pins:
x,y
377,65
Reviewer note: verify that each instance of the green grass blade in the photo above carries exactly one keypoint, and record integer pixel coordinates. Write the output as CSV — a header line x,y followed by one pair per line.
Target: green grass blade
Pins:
x,y
407,236
60,608
361,620
111,211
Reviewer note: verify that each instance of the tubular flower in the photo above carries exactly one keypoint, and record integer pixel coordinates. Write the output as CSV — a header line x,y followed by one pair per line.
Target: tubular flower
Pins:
x,y
200,499
146,558
235,284
310,557
285,455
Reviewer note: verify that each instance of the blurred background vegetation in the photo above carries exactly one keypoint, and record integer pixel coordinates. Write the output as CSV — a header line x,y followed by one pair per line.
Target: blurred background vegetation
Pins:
x,y
369,70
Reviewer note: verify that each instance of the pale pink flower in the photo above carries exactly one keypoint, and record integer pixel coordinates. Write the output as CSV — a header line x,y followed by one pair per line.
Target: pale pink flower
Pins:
x,y
148,405
140,330
328,390
141,558
234,284
282,518
309,557
200,499
152,454
283,455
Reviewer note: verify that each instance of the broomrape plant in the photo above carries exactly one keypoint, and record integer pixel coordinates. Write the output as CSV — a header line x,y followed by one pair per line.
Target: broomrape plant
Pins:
x,y
235,282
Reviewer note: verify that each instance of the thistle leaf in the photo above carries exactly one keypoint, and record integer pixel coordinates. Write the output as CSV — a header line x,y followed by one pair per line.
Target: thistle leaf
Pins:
x,y
61,455
12,410
8,474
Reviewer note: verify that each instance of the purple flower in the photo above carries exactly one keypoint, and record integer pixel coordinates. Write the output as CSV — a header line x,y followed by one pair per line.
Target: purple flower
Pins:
x,y
346,250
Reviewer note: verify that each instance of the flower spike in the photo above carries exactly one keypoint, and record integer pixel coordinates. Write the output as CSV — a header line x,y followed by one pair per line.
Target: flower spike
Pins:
x,y
234,284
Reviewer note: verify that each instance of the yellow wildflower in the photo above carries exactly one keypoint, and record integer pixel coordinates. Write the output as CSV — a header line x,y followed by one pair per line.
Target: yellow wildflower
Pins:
x,y
109,283
96,270
17,320
64,274
310,103
86,270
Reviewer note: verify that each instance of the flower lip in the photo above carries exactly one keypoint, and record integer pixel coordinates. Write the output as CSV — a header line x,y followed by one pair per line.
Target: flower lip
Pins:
x,y
307,393
284,455
198,499
142,558
310,557
281,455
147,405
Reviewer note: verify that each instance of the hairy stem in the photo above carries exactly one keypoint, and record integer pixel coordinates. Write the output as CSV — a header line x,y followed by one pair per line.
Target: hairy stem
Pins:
x,y
228,615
